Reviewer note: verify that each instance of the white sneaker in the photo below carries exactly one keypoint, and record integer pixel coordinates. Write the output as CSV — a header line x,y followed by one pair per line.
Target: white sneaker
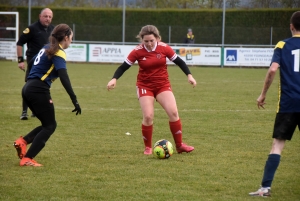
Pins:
x,y
263,192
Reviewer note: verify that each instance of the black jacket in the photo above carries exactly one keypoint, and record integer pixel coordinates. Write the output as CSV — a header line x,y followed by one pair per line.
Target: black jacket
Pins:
x,y
189,39
36,36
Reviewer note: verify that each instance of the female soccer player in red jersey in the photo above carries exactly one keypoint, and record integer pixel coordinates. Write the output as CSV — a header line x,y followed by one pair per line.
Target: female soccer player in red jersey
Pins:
x,y
153,83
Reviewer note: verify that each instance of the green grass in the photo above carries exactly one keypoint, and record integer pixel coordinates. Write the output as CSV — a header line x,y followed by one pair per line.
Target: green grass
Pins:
x,y
89,157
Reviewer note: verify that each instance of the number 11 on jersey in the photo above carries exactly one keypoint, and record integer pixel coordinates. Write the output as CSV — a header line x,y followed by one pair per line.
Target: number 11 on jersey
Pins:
x,y
296,54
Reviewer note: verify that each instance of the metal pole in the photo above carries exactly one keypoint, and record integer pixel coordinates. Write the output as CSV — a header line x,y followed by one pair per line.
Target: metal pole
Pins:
x,y
73,32
271,38
169,34
17,26
223,33
123,28
29,12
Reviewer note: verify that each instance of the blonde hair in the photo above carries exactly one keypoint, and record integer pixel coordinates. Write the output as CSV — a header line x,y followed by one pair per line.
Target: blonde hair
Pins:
x,y
148,30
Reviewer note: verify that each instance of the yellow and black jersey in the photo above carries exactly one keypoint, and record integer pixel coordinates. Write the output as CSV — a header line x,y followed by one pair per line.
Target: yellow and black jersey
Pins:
x,y
45,69
287,55
189,39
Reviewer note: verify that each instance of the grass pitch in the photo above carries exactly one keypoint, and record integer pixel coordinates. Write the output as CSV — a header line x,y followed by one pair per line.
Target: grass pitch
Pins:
x,y
89,157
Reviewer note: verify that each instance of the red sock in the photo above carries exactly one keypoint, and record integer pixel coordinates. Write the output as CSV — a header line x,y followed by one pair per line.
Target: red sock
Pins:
x,y
176,130
147,135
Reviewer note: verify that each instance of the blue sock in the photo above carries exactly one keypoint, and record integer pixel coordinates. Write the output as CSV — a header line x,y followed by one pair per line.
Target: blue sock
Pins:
x,y
270,169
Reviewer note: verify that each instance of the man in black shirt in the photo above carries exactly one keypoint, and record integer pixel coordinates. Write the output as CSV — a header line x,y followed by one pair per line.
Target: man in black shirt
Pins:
x,y
36,36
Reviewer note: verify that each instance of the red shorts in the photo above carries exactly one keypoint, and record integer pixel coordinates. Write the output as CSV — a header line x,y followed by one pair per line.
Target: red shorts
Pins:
x,y
151,92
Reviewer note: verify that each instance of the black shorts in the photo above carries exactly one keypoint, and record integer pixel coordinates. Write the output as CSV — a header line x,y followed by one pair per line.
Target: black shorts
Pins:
x,y
285,125
36,94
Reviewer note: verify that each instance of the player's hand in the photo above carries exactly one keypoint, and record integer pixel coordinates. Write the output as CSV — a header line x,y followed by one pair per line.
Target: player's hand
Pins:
x,y
261,101
191,80
111,84
77,107
21,66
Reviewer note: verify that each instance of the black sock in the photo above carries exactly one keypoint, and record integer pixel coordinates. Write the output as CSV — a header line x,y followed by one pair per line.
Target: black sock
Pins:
x,y
30,136
38,142
24,106
270,169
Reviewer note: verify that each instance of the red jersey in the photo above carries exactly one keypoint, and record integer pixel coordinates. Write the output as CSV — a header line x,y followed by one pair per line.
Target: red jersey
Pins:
x,y
152,65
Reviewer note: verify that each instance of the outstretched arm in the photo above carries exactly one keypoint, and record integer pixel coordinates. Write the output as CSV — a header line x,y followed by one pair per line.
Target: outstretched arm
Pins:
x,y
118,73
268,81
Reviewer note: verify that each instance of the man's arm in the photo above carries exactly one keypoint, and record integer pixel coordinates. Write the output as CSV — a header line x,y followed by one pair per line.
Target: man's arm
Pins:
x,y
20,57
25,37
268,81
19,51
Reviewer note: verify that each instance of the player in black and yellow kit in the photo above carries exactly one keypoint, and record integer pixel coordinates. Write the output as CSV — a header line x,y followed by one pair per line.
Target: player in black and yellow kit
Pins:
x,y
47,65
190,38
35,36
287,57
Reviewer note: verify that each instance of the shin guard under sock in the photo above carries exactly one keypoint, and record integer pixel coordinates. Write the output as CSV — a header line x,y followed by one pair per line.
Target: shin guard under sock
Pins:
x,y
30,136
147,135
270,168
176,130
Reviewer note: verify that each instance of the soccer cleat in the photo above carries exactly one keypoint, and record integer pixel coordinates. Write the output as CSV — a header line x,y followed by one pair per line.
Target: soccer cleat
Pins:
x,y
20,145
148,151
263,192
184,148
24,116
29,162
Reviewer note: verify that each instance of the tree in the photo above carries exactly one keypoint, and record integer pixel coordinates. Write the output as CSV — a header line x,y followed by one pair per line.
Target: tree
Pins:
x,y
167,3
152,4
265,3
233,3
290,3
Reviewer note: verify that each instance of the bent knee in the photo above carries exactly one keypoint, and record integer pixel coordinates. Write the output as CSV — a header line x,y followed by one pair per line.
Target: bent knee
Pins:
x,y
148,119
173,116
51,127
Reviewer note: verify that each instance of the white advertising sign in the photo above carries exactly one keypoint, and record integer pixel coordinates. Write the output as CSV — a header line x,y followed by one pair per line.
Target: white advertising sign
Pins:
x,y
248,56
24,51
109,53
76,52
191,55
208,56
8,50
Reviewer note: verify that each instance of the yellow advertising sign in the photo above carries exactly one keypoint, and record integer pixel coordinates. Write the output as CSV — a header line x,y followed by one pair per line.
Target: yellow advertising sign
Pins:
x,y
192,51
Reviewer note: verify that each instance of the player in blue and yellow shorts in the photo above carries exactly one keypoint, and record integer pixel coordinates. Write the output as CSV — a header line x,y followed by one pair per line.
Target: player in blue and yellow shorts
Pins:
x,y
287,57
47,65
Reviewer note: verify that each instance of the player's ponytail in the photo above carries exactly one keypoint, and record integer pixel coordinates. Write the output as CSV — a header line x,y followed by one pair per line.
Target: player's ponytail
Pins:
x,y
58,34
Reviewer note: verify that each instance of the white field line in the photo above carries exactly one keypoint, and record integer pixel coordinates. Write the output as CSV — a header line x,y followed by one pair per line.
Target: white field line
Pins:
x,y
156,109
58,87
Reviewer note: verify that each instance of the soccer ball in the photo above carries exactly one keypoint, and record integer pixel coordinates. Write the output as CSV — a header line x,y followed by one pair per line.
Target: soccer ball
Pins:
x,y
163,149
